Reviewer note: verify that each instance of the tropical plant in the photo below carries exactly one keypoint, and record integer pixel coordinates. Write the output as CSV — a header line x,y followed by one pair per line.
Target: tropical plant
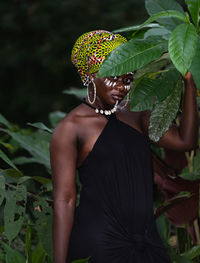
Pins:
x,y
160,53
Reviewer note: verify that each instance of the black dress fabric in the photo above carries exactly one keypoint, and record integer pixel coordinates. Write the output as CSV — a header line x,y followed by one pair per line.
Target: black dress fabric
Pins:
x,y
114,222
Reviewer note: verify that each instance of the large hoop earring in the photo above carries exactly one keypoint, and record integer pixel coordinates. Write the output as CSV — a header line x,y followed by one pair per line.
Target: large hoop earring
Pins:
x,y
95,92
126,103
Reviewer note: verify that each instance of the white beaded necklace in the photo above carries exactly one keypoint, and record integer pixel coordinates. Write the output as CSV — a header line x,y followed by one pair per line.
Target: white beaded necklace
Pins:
x,y
105,112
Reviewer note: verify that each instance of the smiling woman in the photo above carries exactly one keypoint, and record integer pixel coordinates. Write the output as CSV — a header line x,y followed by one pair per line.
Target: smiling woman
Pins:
x,y
109,146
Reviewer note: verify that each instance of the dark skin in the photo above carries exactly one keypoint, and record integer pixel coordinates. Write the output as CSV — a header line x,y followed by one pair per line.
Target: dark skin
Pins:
x,y
75,135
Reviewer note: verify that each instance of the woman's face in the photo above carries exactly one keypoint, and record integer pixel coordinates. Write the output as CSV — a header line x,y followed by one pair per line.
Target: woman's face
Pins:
x,y
111,89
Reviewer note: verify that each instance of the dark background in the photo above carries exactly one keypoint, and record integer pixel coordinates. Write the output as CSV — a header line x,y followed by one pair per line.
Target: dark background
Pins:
x,y
35,45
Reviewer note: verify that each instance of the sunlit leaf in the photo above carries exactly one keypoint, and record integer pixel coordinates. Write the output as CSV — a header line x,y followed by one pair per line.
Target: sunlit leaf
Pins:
x,y
194,8
14,211
132,56
182,47
155,6
164,113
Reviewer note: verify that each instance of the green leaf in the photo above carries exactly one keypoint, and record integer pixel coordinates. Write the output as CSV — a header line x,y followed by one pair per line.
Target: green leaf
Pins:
x,y
156,6
164,113
143,96
11,173
164,14
194,69
13,256
55,117
44,224
14,211
132,56
40,126
42,180
194,8
38,254
23,160
145,93
79,93
160,31
4,121
7,160
182,47
24,179
2,189
192,253
135,28
153,67
37,146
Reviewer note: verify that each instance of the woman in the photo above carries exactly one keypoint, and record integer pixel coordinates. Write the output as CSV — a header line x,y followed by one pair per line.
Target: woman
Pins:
x,y
109,146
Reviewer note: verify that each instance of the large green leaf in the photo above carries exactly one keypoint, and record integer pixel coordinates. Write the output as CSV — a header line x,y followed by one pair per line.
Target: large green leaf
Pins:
x,y
14,211
132,56
156,6
182,46
143,96
13,256
194,8
164,113
153,67
194,69
2,189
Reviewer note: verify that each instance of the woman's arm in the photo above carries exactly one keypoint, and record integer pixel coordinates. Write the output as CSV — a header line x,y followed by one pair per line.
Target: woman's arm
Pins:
x,y
63,152
184,137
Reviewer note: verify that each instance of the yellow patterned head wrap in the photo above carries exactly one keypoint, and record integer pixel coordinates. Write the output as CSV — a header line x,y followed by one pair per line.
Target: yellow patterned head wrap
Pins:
x,y
91,49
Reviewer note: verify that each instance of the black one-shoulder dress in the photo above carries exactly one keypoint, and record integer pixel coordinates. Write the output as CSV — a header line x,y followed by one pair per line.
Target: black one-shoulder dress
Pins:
x,y
114,222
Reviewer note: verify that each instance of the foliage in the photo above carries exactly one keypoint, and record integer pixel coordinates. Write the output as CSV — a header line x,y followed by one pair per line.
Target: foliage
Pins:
x,y
180,40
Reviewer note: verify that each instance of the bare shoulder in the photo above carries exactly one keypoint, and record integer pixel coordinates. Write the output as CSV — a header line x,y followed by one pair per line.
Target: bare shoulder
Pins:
x,y
67,129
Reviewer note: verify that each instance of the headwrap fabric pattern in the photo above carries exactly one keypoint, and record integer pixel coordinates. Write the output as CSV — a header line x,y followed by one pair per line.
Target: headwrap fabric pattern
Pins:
x,y
91,49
